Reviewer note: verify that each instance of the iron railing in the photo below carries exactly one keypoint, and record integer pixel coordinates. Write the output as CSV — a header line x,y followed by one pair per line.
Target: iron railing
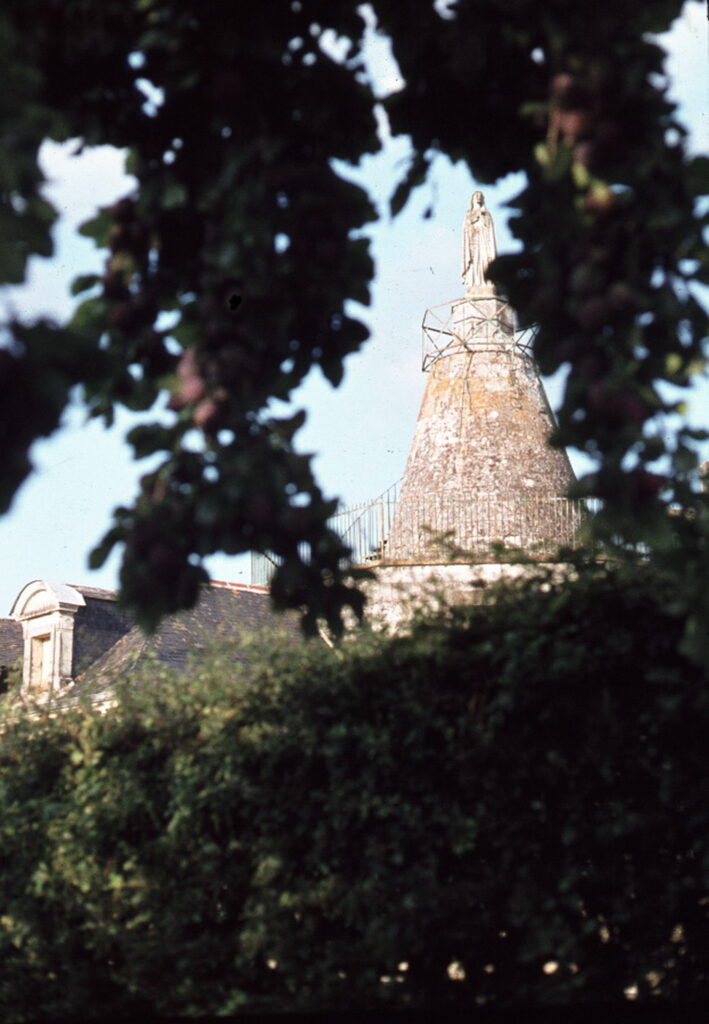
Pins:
x,y
433,527
439,529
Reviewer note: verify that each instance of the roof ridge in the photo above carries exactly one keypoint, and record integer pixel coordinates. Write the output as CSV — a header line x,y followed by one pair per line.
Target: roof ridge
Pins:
x,y
256,588
102,593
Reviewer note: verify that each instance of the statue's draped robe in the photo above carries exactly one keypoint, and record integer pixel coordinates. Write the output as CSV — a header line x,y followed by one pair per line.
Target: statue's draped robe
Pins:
x,y
479,248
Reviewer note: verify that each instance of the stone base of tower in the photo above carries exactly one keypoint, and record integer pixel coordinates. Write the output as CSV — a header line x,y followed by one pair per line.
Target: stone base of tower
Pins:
x,y
400,591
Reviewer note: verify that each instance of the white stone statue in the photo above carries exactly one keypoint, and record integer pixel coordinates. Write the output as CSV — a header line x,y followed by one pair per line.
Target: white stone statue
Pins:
x,y
479,248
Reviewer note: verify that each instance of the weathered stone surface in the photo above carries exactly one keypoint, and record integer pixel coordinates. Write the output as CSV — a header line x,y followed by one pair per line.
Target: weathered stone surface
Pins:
x,y
479,463
46,612
400,591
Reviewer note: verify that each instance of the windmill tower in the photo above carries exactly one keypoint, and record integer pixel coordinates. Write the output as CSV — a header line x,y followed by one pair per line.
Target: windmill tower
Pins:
x,y
480,471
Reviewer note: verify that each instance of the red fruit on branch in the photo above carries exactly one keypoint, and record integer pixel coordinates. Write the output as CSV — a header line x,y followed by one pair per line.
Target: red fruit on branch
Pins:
x,y
586,154
561,84
574,124
192,389
598,200
191,384
159,492
206,413
569,93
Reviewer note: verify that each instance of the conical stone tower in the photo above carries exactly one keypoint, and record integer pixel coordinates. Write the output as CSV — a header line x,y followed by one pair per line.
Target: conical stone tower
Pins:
x,y
480,469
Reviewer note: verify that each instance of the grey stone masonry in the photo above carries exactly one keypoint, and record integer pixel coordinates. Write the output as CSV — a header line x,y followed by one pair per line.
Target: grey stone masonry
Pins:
x,y
480,467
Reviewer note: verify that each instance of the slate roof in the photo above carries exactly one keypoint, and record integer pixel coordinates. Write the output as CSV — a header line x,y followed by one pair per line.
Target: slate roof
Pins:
x,y
10,642
97,627
226,613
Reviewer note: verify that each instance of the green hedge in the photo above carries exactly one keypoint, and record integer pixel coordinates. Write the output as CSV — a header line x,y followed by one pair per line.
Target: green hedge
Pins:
x,y
509,805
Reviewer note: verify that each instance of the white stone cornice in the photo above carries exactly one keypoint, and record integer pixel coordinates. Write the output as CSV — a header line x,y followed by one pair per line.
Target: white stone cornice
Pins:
x,y
39,597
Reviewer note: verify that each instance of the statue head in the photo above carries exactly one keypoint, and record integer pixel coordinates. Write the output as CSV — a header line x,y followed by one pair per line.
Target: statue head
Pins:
x,y
477,199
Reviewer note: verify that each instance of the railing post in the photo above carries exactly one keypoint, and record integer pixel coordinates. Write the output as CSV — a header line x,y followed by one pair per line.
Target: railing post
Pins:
x,y
381,529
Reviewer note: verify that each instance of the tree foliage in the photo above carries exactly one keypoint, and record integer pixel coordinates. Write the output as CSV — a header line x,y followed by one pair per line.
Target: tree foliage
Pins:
x,y
458,817
243,233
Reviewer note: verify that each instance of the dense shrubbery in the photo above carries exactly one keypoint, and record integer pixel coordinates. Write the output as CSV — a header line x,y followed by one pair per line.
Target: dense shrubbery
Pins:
x,y
510,804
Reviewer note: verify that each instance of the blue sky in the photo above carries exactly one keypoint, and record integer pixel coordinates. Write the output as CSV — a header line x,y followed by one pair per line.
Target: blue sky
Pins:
x,y
359,433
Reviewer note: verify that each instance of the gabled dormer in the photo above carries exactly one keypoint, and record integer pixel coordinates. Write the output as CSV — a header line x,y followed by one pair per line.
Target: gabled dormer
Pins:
x,y
46,612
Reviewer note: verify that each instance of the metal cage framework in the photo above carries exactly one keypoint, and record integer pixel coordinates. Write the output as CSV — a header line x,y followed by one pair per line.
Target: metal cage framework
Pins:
x,y
474,323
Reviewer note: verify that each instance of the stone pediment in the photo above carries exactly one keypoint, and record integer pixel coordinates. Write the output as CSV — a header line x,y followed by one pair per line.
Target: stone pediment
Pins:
x,y
43,598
